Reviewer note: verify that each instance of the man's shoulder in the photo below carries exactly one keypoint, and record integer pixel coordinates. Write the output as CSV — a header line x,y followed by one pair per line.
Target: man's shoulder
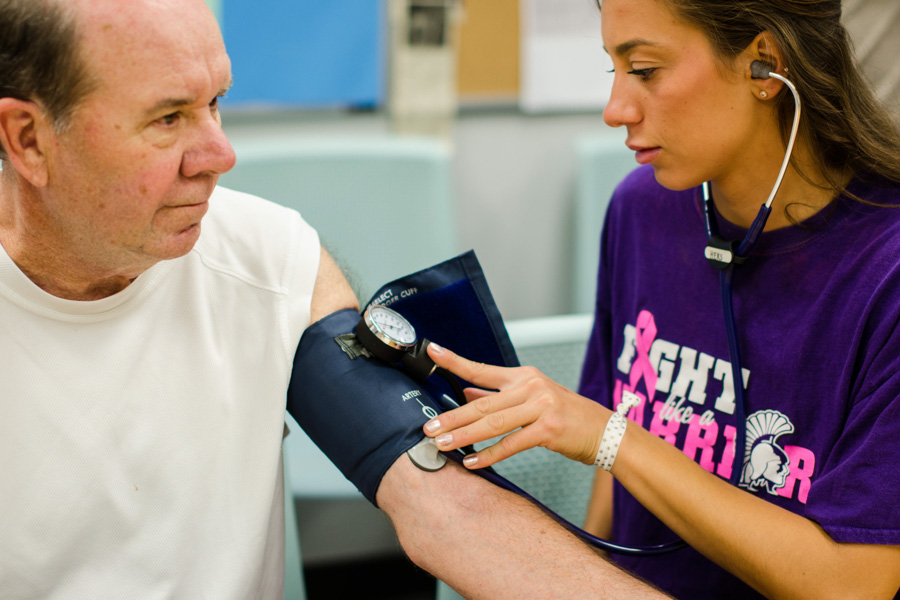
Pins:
x,y
254,239
244,212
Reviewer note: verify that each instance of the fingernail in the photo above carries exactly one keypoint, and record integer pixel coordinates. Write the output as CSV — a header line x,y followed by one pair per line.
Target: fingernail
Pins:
x,y
436,347
470,461
432,426
443,440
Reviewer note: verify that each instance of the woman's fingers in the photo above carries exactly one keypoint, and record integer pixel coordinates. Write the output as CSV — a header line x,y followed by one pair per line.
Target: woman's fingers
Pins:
x,y
476,393
482,375
455,431
544,413
515,442
566,423
479,407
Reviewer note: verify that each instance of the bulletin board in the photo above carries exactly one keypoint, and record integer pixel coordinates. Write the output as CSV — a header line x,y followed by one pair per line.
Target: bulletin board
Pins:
x,y
564,66
488,55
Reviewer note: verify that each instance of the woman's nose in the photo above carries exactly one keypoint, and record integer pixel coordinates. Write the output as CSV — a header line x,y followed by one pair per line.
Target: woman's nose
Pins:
x,y
622,108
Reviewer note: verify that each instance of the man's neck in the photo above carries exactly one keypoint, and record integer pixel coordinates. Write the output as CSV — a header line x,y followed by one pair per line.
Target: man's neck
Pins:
x,y
72,289
54,270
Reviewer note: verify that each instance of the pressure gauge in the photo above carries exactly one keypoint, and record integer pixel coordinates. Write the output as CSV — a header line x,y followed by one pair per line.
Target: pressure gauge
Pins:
x,y
385,333
388,336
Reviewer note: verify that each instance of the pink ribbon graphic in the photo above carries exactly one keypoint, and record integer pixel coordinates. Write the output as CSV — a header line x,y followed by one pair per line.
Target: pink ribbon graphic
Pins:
x,y
643,340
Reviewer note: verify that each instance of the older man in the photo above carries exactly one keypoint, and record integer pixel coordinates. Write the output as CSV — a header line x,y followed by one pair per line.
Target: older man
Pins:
x,y
145,358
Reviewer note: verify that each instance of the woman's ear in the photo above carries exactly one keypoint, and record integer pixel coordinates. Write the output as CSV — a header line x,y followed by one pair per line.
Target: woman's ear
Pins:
x,y
23,126
764,49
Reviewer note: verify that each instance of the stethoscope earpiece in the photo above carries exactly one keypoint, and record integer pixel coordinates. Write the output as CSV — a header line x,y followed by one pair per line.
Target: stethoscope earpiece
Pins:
x,y
760,69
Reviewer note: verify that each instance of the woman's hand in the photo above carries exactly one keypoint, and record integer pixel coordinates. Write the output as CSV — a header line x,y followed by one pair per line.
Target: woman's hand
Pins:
x,y
548,414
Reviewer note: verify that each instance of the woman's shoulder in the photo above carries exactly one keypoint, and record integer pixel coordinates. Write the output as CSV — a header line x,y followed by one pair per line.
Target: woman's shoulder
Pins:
x,y
640,196
874,189
641,185
638,181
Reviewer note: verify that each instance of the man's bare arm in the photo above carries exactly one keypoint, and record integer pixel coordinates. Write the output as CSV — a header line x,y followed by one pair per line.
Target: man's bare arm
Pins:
x,y
332,292
491,544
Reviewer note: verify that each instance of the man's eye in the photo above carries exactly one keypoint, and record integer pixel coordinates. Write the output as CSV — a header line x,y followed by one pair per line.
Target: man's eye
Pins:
x,y
169,119
644,74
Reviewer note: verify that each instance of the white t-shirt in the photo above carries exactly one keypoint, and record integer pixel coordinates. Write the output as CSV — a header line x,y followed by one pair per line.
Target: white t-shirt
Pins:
x,y
140,434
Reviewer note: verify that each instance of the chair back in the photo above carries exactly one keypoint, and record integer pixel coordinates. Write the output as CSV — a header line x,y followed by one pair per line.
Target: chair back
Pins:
x,y
382,204
603,161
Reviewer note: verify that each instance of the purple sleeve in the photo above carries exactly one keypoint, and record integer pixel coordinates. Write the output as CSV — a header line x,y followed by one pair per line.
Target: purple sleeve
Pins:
x,y
856,497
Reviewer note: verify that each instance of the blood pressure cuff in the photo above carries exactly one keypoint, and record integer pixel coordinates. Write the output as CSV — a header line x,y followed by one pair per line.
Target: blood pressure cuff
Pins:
x,y
363,413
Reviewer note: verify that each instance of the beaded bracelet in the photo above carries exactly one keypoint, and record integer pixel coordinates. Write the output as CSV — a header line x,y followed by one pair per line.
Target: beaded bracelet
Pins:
x,y
615,430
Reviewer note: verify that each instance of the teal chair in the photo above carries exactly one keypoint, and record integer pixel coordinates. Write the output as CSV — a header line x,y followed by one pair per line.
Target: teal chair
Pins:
x,y
603,161
556,345
382,204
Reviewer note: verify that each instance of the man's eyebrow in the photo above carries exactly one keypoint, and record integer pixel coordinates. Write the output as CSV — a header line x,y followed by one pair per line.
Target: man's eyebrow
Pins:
x,y
168,104
173,103
624,47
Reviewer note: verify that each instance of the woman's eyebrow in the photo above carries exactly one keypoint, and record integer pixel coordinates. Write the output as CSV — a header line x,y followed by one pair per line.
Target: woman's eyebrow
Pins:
x,y
624,47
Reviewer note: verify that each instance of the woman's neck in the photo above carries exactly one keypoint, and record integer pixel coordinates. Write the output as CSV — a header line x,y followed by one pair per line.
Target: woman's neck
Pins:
x,y
739,198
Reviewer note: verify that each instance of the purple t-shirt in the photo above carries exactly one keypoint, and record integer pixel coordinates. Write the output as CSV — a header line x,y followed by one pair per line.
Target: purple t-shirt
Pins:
x,y
818,319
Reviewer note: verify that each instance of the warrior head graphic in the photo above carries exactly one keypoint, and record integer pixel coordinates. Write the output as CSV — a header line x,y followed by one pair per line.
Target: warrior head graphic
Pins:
x,y
766,464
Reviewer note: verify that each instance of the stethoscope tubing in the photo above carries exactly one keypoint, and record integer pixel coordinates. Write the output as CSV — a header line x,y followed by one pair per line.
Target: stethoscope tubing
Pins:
x,y
500,481
726,282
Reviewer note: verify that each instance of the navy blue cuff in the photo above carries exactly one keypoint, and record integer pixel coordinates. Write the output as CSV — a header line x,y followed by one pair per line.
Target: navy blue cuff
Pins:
x,y
363,414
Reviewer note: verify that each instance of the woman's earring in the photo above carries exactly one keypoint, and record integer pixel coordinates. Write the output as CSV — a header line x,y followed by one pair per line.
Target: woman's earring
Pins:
x,y
763,94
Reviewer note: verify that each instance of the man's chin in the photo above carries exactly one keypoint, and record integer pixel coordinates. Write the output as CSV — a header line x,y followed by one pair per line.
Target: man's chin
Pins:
x,y
178,244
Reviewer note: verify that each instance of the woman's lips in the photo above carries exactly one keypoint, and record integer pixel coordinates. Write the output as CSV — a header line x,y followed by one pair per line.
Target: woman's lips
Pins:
x,y
646,156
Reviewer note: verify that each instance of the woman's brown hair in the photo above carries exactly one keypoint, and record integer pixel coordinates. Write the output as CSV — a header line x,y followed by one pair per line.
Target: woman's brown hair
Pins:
x,y
846,127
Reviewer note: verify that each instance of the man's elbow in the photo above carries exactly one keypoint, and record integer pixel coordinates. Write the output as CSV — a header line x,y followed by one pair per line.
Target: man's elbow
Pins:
x,y
429,508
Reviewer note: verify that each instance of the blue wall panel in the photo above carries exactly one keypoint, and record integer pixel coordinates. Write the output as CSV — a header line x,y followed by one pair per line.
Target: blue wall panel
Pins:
x,y
313,53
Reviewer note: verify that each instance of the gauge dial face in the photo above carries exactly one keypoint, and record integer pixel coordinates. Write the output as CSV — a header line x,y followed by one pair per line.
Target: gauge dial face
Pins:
x,y
391,324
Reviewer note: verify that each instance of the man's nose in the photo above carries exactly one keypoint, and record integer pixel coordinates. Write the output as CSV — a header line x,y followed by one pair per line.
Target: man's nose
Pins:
x,y
211,151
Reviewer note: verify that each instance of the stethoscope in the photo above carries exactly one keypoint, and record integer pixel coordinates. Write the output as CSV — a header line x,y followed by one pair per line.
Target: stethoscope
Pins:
x,y
392,338
726,255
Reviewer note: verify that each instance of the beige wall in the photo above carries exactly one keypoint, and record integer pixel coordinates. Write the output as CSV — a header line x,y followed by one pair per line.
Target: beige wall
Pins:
x,y
874,26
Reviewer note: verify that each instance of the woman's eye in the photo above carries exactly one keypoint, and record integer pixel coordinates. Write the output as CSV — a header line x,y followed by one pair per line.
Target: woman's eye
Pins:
x,y
644,74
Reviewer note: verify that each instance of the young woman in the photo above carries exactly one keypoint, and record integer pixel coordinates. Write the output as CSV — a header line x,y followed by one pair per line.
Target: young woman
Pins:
x,y
814,513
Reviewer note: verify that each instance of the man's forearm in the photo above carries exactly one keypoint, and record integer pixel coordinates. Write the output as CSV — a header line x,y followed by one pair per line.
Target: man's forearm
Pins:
x,y
489,543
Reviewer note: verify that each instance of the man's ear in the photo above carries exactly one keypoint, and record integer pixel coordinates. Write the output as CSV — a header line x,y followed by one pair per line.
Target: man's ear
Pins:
x,y
23,132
